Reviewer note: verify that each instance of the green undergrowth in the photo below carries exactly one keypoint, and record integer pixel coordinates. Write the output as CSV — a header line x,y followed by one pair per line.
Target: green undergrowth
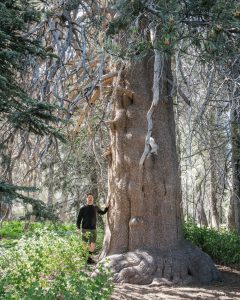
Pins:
x,y
48,263
16,229
12,231
223,246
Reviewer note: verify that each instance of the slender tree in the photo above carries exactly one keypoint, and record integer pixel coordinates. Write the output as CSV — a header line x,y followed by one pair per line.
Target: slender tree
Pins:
x,y
234,211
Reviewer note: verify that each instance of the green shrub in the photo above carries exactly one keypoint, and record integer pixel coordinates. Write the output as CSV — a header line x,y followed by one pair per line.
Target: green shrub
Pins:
x,y
15,229
50,266
100,236
12,229
223,246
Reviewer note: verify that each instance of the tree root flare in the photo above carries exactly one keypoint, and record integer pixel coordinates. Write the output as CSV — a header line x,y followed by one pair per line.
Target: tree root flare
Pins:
x,y
180,266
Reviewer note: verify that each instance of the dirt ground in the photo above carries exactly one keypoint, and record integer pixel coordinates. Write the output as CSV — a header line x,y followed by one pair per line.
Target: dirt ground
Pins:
x,y
228,288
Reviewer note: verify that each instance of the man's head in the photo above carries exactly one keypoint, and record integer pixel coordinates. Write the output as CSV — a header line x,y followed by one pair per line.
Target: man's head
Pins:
x,y
89,199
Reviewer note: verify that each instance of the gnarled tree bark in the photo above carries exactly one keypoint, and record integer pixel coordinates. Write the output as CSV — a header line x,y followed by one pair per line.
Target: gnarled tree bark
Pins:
x,y
144,241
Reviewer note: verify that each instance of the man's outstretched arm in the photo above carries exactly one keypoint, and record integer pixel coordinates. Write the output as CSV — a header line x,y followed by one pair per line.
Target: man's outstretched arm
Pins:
x,y
102,212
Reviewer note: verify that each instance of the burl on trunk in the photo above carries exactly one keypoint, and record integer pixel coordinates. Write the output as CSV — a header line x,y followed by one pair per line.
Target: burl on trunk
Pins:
x,y
144,241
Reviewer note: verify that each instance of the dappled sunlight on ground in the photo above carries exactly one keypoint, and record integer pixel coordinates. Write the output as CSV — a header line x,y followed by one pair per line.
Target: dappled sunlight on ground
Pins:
x,y
228,289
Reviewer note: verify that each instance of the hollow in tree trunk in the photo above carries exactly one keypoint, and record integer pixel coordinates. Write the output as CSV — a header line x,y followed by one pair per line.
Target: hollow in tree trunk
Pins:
x,y
144,241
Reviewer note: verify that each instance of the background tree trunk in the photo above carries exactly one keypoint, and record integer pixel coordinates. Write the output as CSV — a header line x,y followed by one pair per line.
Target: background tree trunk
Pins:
x,y
94,183
64,205
234,213
214,221
201,214
234,209
144,237
50,184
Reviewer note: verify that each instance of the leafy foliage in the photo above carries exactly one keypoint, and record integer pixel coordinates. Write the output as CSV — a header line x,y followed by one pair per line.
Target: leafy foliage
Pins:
x,y
50,265
223,246
15,229
12,230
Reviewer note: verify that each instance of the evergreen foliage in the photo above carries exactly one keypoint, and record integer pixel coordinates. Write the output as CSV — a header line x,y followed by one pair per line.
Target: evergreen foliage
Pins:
x,y
11,193
211,27
16,105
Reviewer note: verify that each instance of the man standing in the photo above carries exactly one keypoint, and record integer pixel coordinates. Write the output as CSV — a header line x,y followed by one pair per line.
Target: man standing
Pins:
x,y
88,217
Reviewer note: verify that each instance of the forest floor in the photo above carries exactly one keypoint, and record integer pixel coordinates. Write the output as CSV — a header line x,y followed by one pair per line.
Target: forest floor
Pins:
x,y
228,288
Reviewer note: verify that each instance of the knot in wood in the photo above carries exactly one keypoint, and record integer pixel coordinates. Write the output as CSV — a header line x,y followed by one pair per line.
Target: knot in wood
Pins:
x,y
136,221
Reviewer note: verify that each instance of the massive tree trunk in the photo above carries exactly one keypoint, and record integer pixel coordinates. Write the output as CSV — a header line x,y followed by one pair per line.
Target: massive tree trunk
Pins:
x,y
144,240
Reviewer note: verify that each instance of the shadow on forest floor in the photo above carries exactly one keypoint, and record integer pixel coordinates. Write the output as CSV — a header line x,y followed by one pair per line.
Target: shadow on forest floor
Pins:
x,y
228,288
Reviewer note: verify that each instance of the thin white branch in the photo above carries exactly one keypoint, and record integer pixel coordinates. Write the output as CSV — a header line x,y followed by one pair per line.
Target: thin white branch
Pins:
x,y
158,66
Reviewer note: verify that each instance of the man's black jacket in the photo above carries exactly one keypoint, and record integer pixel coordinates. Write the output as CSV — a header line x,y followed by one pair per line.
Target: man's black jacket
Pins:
x,y
88,216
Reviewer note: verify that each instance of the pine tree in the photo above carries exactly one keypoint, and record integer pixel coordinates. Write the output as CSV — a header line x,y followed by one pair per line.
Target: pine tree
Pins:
x,y
17,108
